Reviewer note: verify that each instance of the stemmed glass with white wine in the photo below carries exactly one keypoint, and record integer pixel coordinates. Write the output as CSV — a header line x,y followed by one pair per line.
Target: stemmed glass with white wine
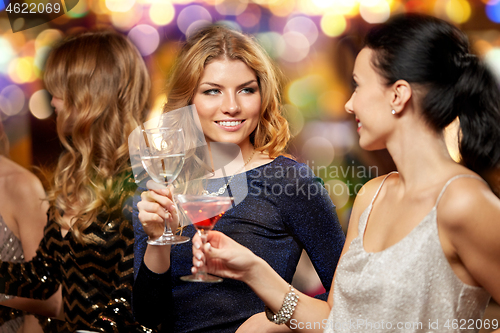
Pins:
x,y
162,154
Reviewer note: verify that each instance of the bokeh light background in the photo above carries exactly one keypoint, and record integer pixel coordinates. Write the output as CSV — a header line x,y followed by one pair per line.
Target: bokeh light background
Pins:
x,y
313,41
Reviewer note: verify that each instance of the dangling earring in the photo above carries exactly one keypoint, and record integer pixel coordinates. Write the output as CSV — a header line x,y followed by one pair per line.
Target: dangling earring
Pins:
x,y
393,111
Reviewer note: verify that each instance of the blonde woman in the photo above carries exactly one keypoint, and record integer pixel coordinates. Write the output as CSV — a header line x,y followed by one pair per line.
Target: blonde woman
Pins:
x,y
100,89
237,92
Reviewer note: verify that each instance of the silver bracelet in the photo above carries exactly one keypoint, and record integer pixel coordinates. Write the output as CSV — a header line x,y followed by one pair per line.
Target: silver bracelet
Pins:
x,y
287,308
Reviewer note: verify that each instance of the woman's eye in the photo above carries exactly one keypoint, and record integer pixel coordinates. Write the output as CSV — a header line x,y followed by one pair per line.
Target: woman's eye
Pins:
x,y
211,92
248,90
354,85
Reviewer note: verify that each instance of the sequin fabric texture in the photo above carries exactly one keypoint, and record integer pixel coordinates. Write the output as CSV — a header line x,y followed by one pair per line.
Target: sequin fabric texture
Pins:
x,y
408,287
96,278
286,210
10,248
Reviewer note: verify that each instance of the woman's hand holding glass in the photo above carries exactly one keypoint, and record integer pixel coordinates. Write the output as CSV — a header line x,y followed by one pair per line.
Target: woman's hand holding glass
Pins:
x,y
224,257
157,208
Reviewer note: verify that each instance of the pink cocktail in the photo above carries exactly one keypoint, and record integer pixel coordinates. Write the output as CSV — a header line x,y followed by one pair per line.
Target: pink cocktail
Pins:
x,y
203,211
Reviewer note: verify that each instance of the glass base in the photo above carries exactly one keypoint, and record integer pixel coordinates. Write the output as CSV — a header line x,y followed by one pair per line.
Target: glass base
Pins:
x,y
168,240
201,278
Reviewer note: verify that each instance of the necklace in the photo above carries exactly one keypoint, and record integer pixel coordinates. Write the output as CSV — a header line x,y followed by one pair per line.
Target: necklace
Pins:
x,y
224,187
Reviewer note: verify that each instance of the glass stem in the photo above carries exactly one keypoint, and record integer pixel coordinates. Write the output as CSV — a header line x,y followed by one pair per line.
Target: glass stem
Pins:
x,y
202,271
167,232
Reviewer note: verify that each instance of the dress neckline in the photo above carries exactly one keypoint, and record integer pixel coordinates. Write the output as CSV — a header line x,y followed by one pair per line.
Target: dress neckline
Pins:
x,y
433,211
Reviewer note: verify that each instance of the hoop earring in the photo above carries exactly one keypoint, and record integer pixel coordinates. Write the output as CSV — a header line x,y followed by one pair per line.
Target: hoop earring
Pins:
x,y
393,111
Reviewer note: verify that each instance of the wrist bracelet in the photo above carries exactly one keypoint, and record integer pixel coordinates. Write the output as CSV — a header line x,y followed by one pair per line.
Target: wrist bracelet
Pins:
x,y
287,308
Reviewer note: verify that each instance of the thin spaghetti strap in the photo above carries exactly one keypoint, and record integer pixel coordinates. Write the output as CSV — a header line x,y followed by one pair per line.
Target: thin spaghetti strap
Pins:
x,y
451,180
380,187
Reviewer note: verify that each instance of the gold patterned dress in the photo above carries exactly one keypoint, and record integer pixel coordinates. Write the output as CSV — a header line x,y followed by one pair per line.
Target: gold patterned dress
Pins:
x,y
96,278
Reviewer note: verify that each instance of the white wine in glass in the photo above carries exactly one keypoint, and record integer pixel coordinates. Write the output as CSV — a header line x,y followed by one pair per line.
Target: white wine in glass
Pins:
x,y
162,153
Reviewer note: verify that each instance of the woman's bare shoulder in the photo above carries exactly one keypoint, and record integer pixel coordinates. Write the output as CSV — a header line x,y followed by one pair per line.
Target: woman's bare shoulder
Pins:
x,y
17,181
467,199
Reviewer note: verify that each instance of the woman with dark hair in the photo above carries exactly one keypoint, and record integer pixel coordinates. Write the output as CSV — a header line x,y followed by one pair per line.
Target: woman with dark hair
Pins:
x,y
100,88
236,89
422,250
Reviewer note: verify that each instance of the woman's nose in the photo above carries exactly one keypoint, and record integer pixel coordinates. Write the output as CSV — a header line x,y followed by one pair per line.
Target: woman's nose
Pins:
x,y
348,105
230,104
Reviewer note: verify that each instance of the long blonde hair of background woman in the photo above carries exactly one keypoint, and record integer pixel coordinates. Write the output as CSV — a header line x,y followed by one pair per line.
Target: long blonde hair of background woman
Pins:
x,y
105,87
218,42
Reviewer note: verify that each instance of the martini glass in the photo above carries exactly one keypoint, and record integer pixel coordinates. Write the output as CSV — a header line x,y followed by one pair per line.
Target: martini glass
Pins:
x,y
203,211
162,154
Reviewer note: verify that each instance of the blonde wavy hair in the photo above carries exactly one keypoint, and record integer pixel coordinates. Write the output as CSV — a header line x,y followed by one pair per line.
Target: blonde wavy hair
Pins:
x,y
219,42
105,88
4,142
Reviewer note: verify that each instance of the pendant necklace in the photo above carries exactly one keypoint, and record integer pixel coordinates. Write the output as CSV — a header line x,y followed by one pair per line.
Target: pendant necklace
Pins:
x,y
222,190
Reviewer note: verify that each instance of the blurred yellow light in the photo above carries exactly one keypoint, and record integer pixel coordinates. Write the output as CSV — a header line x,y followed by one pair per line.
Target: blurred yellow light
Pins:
x,y
482,47
120,5
322,3
47,38
310,7
282,8
21,70
99,7
295,118
332,102
333,25
126,20
375,11
304,91
458,10
340,7
16,41
157,108
162,13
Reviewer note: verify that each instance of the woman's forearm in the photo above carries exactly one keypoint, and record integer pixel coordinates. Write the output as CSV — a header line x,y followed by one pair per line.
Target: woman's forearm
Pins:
x,y
157,258
271,288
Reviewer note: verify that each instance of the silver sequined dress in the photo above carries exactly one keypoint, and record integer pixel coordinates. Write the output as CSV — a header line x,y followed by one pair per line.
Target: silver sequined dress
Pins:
x,y
10,248
408,287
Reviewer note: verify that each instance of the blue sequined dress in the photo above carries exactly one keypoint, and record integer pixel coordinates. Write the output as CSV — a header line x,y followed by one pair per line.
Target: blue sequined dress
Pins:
x,y
287,209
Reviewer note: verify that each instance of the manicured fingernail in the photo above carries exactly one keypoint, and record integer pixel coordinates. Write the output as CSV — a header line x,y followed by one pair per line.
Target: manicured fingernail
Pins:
x,y
193,270
198,264
198,256
209,247
197,245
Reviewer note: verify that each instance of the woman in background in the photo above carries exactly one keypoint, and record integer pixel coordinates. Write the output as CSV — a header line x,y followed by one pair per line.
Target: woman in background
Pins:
x,y
23,216
422,250
237,93
100,88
